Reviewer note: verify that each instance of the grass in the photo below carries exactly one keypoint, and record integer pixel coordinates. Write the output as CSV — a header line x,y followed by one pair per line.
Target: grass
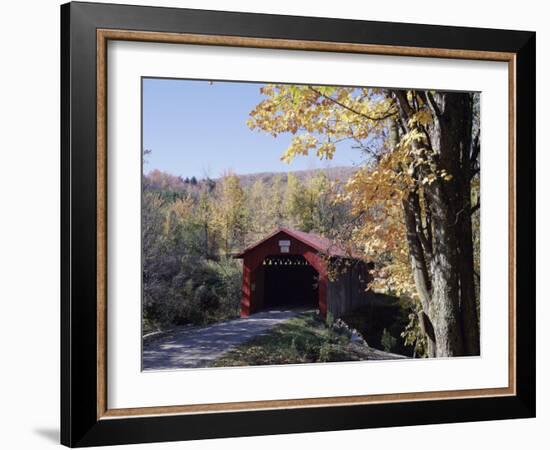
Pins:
x,y
302,339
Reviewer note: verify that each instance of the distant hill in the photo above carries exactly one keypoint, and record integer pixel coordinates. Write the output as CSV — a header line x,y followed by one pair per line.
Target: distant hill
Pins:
x,y
333,173
158,180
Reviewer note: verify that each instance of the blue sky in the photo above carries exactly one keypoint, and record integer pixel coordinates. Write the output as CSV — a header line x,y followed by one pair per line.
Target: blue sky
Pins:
x,y
195,128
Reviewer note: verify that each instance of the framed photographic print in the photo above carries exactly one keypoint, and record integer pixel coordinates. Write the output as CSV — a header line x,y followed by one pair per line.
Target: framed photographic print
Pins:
x,y
276,224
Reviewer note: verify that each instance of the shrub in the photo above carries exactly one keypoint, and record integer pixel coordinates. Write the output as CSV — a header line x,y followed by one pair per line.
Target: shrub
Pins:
x,y
388,341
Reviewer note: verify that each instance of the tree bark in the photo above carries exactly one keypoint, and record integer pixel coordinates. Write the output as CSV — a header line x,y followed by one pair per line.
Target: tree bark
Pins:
x,y
444,304
468,309
450,138
442,259
420,272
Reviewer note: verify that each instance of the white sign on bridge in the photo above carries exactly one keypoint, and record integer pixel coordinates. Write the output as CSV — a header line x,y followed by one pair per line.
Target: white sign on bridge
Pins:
x,y
284,246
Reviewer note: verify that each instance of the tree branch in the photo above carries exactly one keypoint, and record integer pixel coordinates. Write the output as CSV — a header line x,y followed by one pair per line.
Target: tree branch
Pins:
x,y
475,151
384,116
433,104
403,102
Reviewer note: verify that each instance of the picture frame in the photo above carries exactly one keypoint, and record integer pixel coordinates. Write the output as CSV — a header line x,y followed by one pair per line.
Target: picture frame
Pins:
x,y
86,418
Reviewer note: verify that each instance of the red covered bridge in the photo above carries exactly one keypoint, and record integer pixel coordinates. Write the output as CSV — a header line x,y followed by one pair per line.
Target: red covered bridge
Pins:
x,y
291,268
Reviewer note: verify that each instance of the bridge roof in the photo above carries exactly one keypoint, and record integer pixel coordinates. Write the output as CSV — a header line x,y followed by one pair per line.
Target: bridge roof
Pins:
x,y
320,243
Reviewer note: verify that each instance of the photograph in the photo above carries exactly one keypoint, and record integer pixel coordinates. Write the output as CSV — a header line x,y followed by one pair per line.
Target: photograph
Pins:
x,y
284,222
302,223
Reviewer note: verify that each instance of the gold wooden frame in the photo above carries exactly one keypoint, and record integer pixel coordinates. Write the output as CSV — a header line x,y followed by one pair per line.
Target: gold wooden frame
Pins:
x,y
103,36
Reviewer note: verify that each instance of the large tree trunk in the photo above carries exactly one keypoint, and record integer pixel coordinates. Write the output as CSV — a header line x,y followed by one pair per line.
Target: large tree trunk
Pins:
x,y
444,304
468,309
441,252
450,140
419,269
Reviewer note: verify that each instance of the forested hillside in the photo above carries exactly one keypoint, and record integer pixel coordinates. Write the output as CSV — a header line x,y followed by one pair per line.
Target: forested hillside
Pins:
x,y
191,228
157,180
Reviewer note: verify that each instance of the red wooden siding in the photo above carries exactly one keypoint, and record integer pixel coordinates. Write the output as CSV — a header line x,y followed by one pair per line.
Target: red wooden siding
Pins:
x,y
254,256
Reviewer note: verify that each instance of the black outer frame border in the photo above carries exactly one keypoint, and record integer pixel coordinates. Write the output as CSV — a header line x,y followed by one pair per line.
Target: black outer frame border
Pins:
x,y
79,425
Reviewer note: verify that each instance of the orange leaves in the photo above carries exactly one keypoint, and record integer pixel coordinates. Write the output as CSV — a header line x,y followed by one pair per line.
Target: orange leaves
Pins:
x,y
376,193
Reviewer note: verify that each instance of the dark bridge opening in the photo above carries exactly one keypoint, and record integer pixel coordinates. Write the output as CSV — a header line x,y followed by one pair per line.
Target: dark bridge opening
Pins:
x,y
290,281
